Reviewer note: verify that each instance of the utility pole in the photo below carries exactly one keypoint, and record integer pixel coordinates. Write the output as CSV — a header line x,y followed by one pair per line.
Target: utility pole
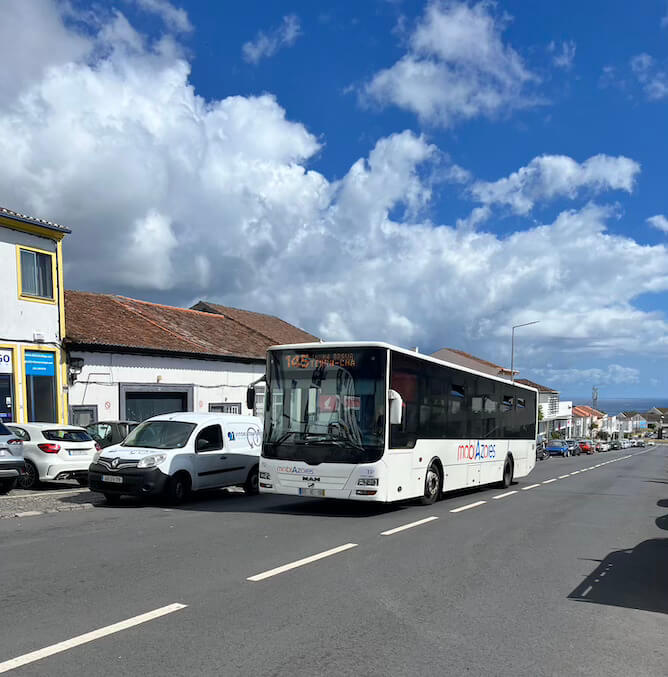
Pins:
x,y
512,346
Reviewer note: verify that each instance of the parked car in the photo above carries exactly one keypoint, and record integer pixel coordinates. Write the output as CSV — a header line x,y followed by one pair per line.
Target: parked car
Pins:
x,y
558,448
12,465
602,446
616,444
586,446
106,433
54,452
574,447
626,444
174,454
640,443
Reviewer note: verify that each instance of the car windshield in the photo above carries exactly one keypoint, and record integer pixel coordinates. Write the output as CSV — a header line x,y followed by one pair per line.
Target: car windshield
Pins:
x,y
325,407
160,435
66,435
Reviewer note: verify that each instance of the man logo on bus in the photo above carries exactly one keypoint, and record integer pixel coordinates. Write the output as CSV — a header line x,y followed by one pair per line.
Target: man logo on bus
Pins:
x,y
475,451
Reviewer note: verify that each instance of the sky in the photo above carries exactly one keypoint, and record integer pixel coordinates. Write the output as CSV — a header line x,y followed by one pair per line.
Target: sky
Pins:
x,y
424,173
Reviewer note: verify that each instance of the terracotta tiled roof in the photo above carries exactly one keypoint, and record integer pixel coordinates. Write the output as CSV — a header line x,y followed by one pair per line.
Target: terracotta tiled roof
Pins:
x,y
24,218
591,411
442,354
118,321
273,328
537,386
581,412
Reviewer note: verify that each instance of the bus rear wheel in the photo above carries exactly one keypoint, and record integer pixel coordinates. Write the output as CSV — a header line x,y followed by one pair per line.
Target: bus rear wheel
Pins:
x,y
433,483
507,479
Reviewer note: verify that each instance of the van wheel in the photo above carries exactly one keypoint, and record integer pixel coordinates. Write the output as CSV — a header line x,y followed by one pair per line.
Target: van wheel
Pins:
x,y
252,486
508,469
178,488
30,478
7,485
433,483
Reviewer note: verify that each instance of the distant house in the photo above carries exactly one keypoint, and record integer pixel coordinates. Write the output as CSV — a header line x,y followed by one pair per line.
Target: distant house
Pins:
x,y
638,421
463,359
131,359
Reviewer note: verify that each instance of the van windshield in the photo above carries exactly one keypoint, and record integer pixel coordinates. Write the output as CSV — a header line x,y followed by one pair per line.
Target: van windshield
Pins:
x,y
160,435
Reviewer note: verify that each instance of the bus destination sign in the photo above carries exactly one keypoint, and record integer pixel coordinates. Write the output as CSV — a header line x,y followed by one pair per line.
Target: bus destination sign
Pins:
x,y
313,361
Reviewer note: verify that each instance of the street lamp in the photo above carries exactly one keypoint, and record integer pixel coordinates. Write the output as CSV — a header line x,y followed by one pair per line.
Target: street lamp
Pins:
x,y
512,346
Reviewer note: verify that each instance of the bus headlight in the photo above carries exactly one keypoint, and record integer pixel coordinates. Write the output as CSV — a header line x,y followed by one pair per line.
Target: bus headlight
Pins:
x,y
265,475
367,482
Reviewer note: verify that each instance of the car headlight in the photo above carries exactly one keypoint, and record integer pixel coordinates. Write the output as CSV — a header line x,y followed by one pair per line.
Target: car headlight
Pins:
x,y
96,456
151,461
367,482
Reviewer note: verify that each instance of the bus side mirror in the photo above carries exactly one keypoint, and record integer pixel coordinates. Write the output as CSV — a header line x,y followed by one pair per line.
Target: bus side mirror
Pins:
x,y
250,398
396,407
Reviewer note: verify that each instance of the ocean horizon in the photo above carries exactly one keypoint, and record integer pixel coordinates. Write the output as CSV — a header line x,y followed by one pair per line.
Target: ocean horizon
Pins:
x,y
614,405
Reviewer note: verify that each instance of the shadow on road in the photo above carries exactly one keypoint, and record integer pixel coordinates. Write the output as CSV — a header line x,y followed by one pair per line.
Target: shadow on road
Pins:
x,y
636,578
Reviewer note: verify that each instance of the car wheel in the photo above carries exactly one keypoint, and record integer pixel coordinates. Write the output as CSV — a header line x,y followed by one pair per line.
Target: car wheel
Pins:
x,y
30,478
252,485
7,485
178,488
112,499
508,469
433,482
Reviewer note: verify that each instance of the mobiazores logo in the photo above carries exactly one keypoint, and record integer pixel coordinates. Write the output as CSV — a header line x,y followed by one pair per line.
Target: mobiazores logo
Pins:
x,y
476,451
230,436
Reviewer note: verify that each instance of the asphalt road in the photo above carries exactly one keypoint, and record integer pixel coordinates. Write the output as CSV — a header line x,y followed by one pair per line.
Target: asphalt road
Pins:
x,y
569,577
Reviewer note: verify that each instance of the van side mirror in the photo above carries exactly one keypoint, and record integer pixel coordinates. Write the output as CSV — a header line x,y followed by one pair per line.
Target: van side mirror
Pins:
x,y
396,407
250,398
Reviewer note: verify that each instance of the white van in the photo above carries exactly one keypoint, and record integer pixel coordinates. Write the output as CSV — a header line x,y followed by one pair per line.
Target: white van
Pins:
x,y
174,454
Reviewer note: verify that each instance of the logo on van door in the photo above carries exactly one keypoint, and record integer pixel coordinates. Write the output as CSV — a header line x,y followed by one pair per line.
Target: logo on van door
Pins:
x,y
230,436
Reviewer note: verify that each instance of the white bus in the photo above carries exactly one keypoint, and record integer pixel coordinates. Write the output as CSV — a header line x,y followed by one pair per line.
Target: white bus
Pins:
x,y
373,422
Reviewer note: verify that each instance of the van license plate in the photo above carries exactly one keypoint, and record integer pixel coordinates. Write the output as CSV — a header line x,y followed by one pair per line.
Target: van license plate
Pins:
x,y
112,478
311,492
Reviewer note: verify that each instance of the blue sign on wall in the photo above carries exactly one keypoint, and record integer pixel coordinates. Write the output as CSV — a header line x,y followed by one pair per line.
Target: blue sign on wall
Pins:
x,y
40,364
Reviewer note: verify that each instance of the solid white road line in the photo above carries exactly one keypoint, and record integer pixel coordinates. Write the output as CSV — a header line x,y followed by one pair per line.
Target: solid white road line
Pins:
x,y
561,477
508,493
554,479
66,492
469,506
408,526
300,562
531,486
19,661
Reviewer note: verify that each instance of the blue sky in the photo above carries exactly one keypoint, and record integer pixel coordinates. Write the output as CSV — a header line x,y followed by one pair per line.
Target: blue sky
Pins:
x,y
428,173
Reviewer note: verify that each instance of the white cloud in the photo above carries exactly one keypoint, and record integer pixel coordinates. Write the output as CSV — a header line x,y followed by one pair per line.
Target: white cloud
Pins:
x,y
267,44
174,18
652,77
174,198
550,176
564,55
613,374
457,67
659,221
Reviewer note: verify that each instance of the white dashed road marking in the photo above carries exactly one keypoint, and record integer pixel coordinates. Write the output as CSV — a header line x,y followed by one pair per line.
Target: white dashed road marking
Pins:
x,y
469,506
531,486
88,637
561,477
408,526
300,562
554,479
508,493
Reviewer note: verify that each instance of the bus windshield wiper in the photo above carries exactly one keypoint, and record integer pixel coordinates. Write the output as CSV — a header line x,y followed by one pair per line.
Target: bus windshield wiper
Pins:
x,y
339,443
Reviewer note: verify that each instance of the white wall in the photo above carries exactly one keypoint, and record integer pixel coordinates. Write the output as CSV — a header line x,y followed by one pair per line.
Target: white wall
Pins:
x,y
21,318
98,382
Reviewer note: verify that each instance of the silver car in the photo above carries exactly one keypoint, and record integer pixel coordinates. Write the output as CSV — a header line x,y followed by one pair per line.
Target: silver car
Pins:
x,y
11,459
54,452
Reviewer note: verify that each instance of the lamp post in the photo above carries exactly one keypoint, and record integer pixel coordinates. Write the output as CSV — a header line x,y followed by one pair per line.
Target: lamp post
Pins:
x,y
512,346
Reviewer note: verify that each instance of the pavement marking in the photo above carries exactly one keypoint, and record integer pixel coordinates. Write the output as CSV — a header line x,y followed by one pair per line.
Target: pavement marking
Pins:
x,y
396,530
508,493
575,472
20,661
46,493
561,477
531,486
469,506
28,513
300,562
554,479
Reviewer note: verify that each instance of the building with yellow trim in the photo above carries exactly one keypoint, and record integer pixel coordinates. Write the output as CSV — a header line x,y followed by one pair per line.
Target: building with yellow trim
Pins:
x,y
33,369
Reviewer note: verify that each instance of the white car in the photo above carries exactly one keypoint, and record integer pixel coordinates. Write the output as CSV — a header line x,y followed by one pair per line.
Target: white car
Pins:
x,y
11,459
174,454
54,452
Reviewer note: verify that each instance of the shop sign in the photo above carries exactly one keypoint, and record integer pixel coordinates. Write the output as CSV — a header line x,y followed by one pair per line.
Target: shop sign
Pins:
x,y
39,364
6,365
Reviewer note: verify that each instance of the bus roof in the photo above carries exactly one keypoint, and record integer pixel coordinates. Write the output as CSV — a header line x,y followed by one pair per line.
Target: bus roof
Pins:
x,y
381,344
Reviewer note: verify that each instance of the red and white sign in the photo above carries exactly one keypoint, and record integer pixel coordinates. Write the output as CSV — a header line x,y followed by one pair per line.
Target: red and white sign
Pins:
x,y
351,402
328,403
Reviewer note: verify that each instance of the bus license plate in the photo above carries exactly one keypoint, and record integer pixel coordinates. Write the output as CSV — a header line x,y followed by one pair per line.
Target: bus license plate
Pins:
x,y
312,492
112,478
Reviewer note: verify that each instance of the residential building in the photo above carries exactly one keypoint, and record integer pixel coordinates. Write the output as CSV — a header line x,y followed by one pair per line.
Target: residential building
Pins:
x,y
132,359
554,418
469,361
638,421
33,382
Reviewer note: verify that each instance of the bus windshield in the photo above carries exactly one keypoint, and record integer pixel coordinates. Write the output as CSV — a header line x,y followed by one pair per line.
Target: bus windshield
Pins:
x,y
324,406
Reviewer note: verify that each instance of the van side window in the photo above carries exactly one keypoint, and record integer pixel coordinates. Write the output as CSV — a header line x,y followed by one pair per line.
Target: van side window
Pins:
x,y
210,439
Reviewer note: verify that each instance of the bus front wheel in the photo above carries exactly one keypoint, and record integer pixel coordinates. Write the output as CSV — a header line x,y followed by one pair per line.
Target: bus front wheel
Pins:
x,y
433,483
